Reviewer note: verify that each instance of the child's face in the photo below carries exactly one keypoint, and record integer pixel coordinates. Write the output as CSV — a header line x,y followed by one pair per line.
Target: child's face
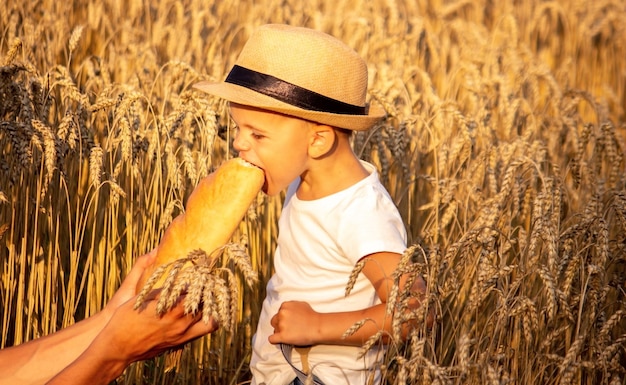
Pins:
x,y
276,143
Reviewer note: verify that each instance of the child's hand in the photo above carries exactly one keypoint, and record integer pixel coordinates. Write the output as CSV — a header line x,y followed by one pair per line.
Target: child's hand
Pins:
x,y
296,323
418,294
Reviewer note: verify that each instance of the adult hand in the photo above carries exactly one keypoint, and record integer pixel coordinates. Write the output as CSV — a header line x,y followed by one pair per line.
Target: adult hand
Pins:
x,y
132,335
127,289
141,334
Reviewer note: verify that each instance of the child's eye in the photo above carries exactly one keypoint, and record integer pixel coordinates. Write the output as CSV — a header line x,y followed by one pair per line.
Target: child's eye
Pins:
x,y
257,136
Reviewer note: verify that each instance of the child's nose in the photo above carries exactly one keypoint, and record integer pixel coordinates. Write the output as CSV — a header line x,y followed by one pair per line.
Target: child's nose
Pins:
x,y
239,143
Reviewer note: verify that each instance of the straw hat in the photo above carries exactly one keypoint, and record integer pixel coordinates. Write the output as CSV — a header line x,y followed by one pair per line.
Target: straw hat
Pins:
x,y
303,73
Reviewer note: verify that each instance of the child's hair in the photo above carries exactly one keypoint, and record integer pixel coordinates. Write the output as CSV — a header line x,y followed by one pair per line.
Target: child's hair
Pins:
x,y
344,131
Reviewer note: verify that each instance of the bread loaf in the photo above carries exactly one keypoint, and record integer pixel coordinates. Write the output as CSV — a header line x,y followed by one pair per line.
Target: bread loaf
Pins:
x,y
213,212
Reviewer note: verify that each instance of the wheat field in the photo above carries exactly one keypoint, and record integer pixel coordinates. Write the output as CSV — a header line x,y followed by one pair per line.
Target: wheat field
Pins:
x,y
503,148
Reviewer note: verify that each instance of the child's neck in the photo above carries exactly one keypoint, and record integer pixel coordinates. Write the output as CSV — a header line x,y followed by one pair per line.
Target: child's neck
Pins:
x,y
330,175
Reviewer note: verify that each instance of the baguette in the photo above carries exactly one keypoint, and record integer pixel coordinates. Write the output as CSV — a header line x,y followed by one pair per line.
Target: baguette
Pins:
x,y
213,212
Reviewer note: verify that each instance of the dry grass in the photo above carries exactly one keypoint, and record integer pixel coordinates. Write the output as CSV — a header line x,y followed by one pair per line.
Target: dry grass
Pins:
x,y
504,150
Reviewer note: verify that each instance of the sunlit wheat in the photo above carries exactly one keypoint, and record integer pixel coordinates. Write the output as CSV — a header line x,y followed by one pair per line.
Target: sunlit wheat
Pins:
x,y
503,148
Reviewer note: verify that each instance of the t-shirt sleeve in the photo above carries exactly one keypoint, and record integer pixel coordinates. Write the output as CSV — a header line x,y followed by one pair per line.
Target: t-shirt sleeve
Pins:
x,y
371,224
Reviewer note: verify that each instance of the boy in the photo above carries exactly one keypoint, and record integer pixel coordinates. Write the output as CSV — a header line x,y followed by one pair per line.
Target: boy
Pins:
x,y
295,95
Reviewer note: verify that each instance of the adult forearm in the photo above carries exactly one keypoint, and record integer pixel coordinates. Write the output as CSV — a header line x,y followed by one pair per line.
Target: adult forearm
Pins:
x,y
96,366
37,361
130,336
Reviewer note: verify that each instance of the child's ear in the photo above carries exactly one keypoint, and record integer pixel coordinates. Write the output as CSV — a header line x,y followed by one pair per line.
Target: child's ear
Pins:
x,y
323,140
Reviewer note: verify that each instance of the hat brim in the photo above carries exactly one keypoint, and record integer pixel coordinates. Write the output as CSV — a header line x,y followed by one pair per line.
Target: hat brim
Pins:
x,y
242,95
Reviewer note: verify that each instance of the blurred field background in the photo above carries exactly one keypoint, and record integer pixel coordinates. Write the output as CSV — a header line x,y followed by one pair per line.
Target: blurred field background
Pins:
x,y
503,148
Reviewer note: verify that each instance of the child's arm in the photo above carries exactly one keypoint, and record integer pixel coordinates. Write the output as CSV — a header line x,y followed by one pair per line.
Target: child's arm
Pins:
x,y
296,323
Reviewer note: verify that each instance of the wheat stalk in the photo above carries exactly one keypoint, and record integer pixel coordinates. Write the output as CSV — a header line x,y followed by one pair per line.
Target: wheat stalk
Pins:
x,y
199,277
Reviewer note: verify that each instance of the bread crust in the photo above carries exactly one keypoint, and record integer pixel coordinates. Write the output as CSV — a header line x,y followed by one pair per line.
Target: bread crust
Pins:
x,y
213,212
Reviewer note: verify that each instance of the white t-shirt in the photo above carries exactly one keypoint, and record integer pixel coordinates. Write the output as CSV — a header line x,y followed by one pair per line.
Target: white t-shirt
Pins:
x,y
319,243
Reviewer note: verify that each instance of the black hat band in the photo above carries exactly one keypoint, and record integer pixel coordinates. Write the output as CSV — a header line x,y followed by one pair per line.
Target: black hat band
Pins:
x,y
290,93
